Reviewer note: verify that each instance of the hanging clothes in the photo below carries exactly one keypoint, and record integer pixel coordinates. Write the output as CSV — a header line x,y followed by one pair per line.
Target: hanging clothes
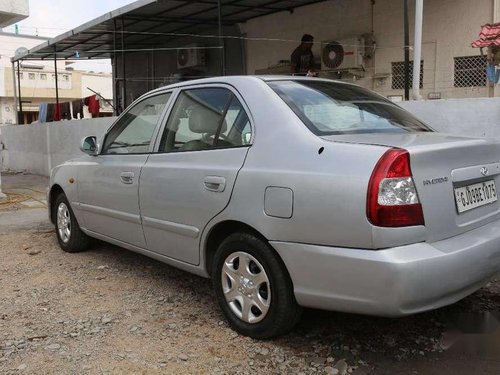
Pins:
x,y
492,73
77,108
57,112
102,102
93,103
65,111
42,112
50,112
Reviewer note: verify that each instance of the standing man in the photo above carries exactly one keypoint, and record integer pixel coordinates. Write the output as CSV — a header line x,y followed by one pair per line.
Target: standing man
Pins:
x,y
302,59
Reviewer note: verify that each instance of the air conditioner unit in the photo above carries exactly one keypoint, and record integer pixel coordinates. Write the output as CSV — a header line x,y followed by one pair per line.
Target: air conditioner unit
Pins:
x,y
191,57
341,55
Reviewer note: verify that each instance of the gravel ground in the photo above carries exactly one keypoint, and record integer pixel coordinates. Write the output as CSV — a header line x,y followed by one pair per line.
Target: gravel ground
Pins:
x,y
113,311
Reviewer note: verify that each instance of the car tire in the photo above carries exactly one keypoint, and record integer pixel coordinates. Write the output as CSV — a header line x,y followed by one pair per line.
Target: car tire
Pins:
x,y
69,235
258,299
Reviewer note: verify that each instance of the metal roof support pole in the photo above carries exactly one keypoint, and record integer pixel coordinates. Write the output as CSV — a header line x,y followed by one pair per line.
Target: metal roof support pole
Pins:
x,y
57,81
407,51
494,90
221,40
124,86
153,70
14,86
116,110
417,51
20,115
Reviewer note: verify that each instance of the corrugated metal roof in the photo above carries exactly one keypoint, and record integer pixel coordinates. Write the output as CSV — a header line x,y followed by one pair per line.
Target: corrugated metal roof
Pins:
x,y
149,23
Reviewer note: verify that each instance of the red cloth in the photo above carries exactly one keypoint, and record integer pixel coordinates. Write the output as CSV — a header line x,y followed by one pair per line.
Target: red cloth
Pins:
x,y
57,112
489,36
93,103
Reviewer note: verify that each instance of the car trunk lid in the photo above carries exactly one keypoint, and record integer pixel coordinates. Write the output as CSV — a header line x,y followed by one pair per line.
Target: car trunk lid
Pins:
x,y
443,167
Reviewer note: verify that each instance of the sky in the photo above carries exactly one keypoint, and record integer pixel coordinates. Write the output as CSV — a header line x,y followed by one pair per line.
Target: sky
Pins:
x,y
53,17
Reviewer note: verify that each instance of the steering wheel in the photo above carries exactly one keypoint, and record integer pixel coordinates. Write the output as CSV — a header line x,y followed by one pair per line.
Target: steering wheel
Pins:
x,y
224,137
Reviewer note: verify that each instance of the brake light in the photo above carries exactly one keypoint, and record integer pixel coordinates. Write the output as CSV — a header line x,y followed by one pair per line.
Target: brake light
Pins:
x,y
392,199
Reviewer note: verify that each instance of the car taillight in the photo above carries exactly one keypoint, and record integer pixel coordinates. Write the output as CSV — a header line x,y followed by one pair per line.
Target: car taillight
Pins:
x,y
392,199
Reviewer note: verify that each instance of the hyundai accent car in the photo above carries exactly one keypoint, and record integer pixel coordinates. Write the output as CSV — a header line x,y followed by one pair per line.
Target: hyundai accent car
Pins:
x,y
289,192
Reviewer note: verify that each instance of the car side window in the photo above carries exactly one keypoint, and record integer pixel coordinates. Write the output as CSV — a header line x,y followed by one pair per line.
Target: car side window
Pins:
x,y
202,119
132,134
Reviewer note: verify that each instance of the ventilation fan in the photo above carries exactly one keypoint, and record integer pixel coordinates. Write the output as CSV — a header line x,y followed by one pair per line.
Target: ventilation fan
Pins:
x,y
342,55
332,55
191,57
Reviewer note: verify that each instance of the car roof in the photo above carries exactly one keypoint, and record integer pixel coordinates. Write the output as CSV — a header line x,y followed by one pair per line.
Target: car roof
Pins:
x,y
241,79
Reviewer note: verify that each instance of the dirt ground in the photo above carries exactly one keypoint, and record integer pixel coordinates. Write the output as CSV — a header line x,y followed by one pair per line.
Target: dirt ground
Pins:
x,y
111,311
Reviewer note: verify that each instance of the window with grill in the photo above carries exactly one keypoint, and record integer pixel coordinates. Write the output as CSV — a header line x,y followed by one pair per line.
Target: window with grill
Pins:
x,y
398,75
470,71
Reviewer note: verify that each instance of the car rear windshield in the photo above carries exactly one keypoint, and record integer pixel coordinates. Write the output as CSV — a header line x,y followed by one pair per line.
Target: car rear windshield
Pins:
x,y
335,108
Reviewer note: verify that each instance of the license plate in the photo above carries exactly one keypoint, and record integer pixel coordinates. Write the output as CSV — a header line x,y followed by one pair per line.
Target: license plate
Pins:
x,y
475,195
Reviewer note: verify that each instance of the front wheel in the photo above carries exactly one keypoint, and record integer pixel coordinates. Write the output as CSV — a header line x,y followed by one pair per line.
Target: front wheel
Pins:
x,y
253,287
69,235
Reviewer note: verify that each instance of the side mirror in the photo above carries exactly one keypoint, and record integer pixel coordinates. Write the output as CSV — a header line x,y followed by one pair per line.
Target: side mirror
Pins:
x,y
89,146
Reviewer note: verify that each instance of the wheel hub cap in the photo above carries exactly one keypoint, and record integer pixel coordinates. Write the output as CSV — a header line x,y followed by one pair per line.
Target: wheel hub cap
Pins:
x,y
246,287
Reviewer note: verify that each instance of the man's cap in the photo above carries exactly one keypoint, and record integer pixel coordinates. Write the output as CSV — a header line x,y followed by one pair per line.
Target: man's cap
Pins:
x,y
307,38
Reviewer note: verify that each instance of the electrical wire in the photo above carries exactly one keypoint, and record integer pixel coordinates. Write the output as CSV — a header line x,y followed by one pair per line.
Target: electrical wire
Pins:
x,y
236,37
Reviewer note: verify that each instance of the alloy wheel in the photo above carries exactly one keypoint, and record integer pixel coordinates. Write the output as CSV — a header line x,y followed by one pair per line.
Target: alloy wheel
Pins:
x,y
63,222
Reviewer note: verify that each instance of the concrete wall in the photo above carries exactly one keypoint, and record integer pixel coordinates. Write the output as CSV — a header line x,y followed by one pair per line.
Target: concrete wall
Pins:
x,y
476,117
26,146
449,28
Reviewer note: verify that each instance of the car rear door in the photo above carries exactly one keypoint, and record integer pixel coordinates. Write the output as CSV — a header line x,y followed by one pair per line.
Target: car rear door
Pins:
x,y
190,178
108,184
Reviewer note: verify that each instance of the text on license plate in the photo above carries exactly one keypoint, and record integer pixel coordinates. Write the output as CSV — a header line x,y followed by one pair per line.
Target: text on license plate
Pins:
x,y
475,195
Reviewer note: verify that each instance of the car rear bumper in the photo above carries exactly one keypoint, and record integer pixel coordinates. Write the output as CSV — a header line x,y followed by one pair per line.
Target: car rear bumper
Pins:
x,y
396,281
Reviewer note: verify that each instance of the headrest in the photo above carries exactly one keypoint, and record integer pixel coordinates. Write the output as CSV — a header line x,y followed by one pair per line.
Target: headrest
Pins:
x,y
204,120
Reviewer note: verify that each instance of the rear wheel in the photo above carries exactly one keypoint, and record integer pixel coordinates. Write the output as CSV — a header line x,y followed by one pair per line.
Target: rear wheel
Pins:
x,y
69,235
253,287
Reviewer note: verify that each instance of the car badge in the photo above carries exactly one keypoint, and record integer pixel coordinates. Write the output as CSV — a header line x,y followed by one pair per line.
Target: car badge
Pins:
x,y
484,171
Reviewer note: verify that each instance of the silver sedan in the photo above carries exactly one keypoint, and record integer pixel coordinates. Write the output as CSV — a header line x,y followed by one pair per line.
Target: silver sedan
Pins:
x,y
289,193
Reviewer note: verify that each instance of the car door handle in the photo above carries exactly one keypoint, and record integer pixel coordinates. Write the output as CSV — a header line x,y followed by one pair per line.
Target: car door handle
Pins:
x,y
127,177
215,183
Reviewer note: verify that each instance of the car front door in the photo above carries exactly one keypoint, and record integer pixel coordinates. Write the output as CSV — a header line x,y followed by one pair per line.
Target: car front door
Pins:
x,y
108,184
190,179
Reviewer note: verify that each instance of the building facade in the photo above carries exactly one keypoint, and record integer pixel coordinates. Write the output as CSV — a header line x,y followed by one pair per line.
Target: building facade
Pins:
x,y
370,30
35,82
450,67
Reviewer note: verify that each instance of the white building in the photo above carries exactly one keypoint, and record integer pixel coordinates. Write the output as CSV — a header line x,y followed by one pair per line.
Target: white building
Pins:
x,y
37,81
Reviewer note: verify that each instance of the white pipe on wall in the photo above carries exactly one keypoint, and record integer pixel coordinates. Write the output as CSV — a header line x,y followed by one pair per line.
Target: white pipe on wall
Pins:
x,y
417,48
2,195
16,99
